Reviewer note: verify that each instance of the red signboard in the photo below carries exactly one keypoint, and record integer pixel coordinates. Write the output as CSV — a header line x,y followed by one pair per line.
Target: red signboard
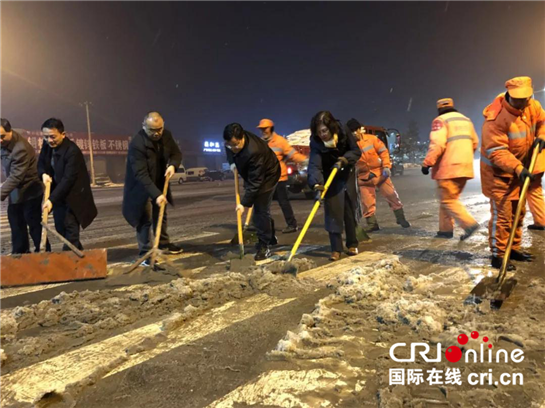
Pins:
x,y
103,145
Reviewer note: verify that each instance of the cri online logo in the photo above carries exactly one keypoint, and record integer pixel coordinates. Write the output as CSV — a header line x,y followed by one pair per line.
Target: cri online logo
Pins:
x,y
454,354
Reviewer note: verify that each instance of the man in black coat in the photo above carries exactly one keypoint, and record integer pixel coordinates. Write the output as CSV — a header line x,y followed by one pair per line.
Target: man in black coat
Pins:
x,y
259,168
153,154
61,163
23,187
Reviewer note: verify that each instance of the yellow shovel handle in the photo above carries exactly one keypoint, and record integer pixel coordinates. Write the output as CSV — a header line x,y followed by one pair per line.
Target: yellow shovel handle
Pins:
x,y
160,222
312,214
249,216
239,215
520,206
45,214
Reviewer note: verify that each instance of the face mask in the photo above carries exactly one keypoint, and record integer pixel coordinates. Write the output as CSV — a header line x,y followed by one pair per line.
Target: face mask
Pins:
x,y
331,143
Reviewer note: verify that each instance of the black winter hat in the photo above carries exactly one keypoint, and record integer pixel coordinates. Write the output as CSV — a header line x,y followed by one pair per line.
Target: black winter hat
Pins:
x,y
353,124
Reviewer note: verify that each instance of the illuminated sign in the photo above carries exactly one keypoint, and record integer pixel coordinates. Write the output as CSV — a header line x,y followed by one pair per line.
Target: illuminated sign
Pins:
x,y
211,147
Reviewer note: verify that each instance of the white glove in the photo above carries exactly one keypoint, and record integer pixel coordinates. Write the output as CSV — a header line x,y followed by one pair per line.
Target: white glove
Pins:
x,y
240,209
160,200
46,178
386,172
170,171
233,167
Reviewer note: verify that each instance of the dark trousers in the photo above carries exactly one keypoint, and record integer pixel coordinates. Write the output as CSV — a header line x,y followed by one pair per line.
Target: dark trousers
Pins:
x,y
281,195
264,224
25,218
67,225
143,229
350,228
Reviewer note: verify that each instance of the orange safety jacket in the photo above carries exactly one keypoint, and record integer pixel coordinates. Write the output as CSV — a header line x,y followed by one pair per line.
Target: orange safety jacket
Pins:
x,y
453,142
508,136
374,156
284,152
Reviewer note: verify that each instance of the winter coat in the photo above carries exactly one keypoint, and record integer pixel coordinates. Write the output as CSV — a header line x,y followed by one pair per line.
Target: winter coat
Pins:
x,y
20,168
257,165
71,184
508,135
284,152
142,173
374,157
453,142
321,162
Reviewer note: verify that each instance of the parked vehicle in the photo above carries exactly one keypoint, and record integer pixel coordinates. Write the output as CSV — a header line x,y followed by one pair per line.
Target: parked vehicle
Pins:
x,y
214,175
180,176
196,173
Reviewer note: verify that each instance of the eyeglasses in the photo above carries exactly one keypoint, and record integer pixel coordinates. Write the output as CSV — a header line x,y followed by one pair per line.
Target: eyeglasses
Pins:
x,y
235,146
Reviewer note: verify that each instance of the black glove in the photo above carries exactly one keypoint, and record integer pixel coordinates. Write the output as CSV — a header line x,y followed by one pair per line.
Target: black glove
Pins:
x,y
341,162
425,170
524,173
539,142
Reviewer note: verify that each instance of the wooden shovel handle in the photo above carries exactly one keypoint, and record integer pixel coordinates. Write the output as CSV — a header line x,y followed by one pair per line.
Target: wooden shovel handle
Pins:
x,y
45,214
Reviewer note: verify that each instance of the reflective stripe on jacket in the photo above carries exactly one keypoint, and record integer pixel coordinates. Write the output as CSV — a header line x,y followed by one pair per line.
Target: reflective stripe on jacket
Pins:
x,y
374,156
508,136
453,142
284,152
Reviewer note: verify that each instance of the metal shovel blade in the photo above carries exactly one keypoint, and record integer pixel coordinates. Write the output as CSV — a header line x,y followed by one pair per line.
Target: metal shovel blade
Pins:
x,y
483,290
503,293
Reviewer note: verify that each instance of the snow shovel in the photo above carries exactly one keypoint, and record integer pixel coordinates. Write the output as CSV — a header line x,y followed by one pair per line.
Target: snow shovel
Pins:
x,y
289,267
239,216
49,267
246,235
498,287
154,251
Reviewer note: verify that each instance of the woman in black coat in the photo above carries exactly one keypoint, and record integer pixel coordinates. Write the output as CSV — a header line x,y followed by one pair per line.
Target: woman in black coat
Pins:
x,y
332,145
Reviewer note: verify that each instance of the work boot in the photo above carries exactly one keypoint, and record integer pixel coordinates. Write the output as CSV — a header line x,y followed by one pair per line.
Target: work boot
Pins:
x,y
335,256
263,252
171,249
372,223
536,227
520,256
352,251
289,230
497,261
444,234
469,232
400,218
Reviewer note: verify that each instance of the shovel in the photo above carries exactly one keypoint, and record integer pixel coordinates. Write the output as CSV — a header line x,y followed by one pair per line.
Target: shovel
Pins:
x,y
239,216
289,267
154,251
498,287
49,267
247,236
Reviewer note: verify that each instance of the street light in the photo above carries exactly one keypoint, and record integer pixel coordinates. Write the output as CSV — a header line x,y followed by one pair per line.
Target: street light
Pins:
x,y
86,104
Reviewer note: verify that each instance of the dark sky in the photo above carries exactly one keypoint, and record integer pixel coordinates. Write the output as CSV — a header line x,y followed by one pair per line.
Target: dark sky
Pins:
x,y
206,64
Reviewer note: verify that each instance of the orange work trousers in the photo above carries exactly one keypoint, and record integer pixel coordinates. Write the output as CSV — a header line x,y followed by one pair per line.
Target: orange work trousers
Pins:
x,y
450,207
500,224
535,200
369,195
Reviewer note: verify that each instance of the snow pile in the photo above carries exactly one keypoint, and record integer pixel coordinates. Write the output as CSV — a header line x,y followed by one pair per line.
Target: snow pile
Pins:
x,y
299,138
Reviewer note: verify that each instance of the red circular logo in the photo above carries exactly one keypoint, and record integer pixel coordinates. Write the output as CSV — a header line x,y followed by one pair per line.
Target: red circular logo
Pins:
x,y
490,346
462,339
474,334
485,339
453,354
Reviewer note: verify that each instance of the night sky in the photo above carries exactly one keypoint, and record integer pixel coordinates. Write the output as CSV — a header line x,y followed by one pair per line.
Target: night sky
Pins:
x,y
203,65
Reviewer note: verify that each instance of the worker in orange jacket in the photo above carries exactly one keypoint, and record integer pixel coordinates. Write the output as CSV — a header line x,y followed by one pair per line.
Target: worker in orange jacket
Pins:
x,y
453,142
374,172
514,125
284,152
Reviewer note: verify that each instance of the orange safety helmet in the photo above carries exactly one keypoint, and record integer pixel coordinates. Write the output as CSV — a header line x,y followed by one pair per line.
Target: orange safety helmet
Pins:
x,y
265,123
